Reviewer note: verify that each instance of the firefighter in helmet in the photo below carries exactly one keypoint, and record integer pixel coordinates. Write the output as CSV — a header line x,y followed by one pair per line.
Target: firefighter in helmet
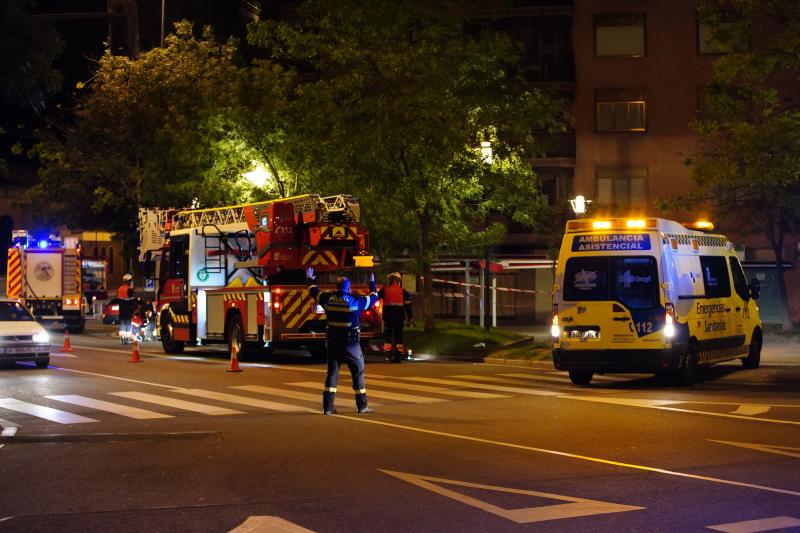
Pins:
x,y
396,311
342,336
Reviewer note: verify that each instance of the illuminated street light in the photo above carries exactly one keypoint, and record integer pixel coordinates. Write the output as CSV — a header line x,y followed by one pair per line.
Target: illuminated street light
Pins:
x,y
258,176
486,152
579,205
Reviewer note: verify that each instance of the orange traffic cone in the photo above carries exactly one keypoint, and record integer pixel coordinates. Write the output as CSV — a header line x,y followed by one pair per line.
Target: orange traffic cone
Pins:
x,y
67,345
234,367
135,352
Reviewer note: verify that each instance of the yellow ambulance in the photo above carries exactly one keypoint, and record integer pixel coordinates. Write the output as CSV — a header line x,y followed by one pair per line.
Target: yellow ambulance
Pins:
x,y
650,295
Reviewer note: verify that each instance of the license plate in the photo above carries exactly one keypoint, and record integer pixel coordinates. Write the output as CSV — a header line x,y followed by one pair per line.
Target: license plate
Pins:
x,y
20,349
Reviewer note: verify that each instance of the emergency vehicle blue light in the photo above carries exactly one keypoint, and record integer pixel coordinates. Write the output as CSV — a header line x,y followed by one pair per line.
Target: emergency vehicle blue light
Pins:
x,y
43,244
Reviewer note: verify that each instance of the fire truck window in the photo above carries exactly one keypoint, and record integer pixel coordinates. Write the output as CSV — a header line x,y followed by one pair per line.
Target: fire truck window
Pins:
x,y
179,257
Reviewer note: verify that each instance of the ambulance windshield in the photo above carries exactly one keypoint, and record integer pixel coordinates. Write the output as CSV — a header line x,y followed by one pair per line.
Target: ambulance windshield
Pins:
x,y
632,281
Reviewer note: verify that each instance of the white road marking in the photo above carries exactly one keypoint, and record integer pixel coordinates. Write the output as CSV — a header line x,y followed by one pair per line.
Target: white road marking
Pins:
x,y
244,400
665,405
768,448
40,411
563,378
305,396
61,354
178,404
269,524
507,381
372,393
751,410
599,460
8,431
5,517
496,388
102,405
438,390
754,526
575,508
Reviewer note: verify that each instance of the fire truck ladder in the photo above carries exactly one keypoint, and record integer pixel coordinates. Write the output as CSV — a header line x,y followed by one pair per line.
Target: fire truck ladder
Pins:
x,y
339,208
218,247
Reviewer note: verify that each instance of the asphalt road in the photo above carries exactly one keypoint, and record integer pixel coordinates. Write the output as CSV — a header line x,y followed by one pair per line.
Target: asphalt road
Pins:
x,y
95,443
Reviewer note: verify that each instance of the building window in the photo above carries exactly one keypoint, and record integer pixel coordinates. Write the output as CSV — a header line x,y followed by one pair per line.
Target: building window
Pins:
x,y
621,35
724,28
622,186
620,110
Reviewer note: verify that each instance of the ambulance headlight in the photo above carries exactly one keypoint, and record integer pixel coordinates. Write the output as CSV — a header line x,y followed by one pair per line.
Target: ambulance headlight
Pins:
x,y
42,338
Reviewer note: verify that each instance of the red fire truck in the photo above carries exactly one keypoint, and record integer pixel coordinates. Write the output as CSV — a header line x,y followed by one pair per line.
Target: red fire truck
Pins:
x,y
236,274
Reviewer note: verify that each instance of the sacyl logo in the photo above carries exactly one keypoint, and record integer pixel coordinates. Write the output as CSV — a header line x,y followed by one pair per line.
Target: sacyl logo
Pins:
x,y
43,271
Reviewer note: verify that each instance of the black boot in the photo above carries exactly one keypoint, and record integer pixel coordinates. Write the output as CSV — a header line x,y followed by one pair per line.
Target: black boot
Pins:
x,y
361,403
327,403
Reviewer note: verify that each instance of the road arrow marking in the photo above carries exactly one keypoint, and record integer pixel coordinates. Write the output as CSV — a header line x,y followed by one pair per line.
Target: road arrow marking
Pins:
x,y
768,448
575,508
751,410
268,524
754,526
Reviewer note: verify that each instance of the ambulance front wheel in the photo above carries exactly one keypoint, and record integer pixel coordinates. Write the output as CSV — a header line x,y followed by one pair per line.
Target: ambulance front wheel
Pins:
x,y
581,377
168,342
753,359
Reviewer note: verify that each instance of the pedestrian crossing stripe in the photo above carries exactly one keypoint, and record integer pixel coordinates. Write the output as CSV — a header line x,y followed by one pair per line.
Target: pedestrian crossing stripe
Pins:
x,y
40,411
110,407
166,401
243,400
372,393
468,385
305,396
438,390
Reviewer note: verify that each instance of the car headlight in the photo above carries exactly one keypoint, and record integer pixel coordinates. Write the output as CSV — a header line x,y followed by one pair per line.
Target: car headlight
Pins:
x,y
42,337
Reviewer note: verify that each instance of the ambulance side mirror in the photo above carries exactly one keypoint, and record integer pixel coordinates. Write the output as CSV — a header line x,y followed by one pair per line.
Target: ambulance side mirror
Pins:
x,y
755,288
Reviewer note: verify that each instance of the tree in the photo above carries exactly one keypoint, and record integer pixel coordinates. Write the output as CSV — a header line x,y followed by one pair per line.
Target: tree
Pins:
x,y
146,132
748,168
395,101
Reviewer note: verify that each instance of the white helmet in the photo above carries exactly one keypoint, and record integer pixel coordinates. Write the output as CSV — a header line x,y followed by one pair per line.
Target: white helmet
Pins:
x,y
127,277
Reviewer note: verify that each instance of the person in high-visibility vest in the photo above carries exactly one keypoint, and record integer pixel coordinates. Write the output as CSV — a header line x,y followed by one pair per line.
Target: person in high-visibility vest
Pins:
x,y
343,337
397,311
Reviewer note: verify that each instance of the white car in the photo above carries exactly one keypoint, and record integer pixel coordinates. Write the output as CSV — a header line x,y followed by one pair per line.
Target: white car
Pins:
x,y
21,337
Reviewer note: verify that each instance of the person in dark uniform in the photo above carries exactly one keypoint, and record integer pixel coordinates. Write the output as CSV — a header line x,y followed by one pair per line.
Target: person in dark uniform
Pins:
x,y
397,311
342,337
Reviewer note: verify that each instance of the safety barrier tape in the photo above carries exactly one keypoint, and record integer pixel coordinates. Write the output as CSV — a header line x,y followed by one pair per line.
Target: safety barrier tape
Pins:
x,y
503,289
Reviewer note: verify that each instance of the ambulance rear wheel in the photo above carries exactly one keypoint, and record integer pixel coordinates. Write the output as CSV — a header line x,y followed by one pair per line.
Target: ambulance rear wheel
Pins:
x,y
168,342
687,373
753,359
581,377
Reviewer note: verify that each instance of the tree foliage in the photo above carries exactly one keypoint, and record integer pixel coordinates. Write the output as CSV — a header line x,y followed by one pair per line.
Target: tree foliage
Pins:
x,y
748,169
146,132
394,103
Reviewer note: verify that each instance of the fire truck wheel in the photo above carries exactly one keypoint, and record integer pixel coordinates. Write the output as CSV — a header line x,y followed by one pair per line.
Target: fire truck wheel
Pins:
x,y
76,328
236,338
170,345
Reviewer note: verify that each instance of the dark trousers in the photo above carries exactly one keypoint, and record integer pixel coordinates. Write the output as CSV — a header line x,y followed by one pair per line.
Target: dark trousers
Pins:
x,y
344,349
393,331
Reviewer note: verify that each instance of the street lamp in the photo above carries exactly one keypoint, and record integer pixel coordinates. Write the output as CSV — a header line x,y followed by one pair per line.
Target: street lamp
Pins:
x,y
258,176
579,205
